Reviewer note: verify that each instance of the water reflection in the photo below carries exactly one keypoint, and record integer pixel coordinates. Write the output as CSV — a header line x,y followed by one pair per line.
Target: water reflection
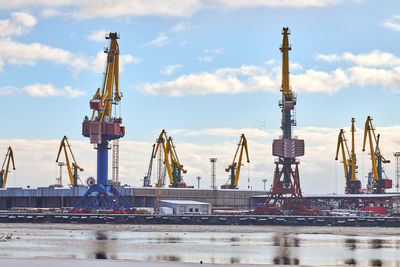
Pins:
x,y
285,243
101,245
376,243
279,245
351,243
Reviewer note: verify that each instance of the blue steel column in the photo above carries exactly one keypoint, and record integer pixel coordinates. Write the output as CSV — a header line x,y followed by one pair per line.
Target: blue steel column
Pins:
x,y
102,162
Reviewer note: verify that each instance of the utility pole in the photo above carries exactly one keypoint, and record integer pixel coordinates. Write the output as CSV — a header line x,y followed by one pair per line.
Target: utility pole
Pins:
x,y
397,155
198,181
265,184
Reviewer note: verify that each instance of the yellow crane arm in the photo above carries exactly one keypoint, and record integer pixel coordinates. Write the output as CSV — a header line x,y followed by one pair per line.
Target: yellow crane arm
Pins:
x,y
173,154
63,145
161,140
243,144
110,78
340,145
9,156
286,91
370,132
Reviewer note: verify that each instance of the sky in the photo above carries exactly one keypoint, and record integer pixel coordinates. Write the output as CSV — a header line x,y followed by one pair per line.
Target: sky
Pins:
x,y
206,71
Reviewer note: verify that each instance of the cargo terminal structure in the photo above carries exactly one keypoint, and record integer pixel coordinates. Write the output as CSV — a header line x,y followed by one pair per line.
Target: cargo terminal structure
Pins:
x,y
47,197
284,198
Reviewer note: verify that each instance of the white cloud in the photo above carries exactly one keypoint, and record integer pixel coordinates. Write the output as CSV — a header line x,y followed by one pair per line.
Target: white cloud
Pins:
x,y
205,59
295,66
318,81
221,81
392,23
236,4
8,90
319,172
168,70
19,23
97,36
373,69
18,53
161,40
247,78
110,9
180,27
172,8
98,64
48,90
375,58
217,51
51,12
270,62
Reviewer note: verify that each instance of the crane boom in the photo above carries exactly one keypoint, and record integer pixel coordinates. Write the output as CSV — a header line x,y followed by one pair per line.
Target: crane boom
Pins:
x,y
147,178
173,166
349,161
73,177
342,144
161,142
376,157
4,173
234,168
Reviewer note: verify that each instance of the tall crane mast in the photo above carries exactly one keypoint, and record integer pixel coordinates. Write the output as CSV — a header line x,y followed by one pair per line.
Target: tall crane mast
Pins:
x,y
234,168
171,161
101,129
353,186
4,172
73,177
285,195
379,183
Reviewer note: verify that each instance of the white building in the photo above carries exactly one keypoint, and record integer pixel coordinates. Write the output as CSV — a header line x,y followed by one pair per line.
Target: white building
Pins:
x,y
181,207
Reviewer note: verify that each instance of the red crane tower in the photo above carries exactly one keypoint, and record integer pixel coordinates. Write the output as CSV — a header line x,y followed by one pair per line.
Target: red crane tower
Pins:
x,y
285,196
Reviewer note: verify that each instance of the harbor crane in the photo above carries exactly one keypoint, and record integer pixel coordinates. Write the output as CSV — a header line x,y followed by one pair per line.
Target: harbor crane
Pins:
x,y
101,128
285,196
353,185
147,178
234,168
376,182
171,161
73,176
4,173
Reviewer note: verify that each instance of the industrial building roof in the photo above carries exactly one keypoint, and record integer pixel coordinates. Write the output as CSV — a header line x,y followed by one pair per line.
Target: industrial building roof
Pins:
x,y
185,202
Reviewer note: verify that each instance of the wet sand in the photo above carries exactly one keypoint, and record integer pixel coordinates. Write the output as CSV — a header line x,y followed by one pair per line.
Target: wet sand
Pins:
x,y
187,245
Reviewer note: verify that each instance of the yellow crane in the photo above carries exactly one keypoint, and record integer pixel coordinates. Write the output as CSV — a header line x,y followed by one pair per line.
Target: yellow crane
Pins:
x,y
4,173
353,186
234,168
73,177
378,184
102,101
171,161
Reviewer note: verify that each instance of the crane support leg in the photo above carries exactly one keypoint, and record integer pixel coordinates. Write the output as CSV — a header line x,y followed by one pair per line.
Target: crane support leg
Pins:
x,y
102,162
103,195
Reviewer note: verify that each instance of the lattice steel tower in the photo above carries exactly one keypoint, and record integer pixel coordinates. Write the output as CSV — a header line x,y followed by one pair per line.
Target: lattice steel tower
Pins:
x,y
213,174
397,155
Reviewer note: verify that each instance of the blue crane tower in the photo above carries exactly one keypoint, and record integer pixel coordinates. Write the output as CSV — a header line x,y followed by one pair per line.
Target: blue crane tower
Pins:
x,y
101,128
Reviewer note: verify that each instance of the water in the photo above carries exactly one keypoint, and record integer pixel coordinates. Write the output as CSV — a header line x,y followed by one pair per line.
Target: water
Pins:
x,y
210,244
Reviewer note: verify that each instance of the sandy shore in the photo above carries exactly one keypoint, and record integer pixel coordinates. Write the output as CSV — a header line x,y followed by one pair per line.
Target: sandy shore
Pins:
x,y
99,263
354,231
